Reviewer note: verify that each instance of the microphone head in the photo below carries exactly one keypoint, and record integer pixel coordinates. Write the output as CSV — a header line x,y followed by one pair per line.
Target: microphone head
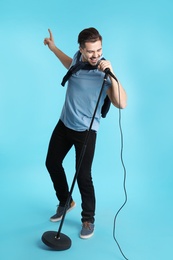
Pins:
x,y
107,70
98,62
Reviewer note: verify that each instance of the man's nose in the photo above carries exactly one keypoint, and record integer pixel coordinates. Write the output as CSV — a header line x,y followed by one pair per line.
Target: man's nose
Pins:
x,y
95,54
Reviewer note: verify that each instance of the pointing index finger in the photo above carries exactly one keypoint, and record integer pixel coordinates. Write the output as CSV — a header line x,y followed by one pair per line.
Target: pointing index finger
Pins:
x,y
50,33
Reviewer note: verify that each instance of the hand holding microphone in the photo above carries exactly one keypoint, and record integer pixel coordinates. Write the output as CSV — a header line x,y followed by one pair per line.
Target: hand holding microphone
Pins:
x,y
105,66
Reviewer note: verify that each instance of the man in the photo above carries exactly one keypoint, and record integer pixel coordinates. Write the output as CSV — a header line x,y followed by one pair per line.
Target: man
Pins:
x,y
81,97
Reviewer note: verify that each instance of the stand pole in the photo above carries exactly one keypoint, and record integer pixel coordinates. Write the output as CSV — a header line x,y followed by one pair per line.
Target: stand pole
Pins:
x,y
57,240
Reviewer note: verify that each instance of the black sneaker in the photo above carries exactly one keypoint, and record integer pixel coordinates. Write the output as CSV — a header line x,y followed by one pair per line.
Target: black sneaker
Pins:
x,y
87,230
60,211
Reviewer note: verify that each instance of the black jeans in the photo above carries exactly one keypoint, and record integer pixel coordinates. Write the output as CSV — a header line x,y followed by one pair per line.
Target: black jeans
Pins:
x,y
61,141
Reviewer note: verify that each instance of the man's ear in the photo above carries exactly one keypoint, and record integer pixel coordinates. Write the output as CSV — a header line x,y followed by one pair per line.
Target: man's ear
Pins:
x,y
80,49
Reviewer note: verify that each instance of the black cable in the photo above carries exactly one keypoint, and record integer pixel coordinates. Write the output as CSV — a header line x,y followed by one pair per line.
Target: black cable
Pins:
x,y
124,181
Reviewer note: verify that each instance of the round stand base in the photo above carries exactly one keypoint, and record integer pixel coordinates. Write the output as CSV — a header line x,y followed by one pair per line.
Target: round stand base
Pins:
x,y
60,243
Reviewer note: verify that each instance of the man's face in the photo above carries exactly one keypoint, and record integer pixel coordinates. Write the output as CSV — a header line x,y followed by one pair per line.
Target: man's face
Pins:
x,y
92,52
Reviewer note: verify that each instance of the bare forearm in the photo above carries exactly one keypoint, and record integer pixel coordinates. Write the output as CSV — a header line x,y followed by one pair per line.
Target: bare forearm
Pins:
x,y
117,94
64,59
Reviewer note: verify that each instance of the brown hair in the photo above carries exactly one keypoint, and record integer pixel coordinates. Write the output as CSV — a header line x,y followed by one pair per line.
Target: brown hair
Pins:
x,y
88,35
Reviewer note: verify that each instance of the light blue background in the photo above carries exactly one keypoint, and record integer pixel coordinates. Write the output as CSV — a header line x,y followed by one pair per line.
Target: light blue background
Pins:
x,y
138,39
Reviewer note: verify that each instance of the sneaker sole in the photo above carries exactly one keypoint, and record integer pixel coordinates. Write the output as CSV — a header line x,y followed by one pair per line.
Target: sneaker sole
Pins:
x,y
86,237
58,219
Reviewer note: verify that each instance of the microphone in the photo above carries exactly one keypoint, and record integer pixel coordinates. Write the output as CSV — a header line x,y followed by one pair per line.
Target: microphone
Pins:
x,y
107,71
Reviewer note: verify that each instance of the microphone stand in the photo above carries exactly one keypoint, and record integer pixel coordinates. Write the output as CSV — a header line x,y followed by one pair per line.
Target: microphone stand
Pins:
x,y
57,240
